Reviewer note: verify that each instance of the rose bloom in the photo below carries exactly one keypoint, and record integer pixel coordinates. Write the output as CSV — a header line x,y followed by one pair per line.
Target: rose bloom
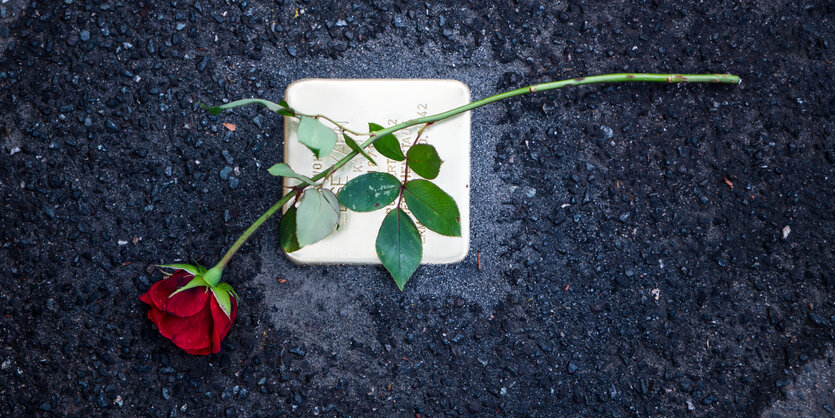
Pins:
x,y
191,319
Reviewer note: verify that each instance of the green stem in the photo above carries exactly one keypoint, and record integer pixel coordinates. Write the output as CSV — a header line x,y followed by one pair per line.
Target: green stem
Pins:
x,y
252,228
579,81
337,124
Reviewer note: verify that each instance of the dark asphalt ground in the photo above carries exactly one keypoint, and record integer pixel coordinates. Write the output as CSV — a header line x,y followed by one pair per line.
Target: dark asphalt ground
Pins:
x,y
636,259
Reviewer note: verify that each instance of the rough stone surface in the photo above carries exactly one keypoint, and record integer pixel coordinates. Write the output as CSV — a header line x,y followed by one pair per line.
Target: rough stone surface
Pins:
x,y
647,274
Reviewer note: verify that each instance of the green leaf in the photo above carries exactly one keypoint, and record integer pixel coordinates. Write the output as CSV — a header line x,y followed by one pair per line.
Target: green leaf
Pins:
x,y
287,231
215,110
316,136
317,215
187,267
283,104
433,207
227,287
387,145
399,247
331,199
197,281
201,270
369,192
424,160
284,170
222,298
355,147
286,112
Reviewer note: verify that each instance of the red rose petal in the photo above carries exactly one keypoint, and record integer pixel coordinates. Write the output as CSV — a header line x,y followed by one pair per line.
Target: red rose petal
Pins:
x,y
222,323
191,333
215,341
162,289
191,319
146,297
199,352
183,304
155,315
187,303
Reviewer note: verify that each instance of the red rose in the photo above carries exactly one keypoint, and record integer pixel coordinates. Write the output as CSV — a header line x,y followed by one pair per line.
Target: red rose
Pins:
x,y
192,319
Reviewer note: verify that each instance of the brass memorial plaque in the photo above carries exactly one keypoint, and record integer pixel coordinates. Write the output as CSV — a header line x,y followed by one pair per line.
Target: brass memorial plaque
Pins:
x,y
387,102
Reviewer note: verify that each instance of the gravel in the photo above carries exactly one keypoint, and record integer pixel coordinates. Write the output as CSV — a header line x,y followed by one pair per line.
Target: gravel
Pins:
x,y
639,267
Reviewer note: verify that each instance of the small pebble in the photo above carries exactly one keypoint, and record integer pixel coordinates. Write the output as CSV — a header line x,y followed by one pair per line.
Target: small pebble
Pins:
x,y
225,172
227,156
607,132
201,66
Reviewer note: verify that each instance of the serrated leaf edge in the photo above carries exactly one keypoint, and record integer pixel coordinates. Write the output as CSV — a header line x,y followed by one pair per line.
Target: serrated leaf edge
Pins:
x,y
412,159
407,193
373,127
400,212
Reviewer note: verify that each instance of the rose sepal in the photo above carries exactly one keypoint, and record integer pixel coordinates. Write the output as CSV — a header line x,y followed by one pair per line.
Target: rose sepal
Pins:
x,y
195,282
210,279
227,287
193,270
222,293
222,298
185,313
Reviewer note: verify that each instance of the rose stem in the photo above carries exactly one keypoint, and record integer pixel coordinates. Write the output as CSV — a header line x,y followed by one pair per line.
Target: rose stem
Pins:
x,y
579,81
337,124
